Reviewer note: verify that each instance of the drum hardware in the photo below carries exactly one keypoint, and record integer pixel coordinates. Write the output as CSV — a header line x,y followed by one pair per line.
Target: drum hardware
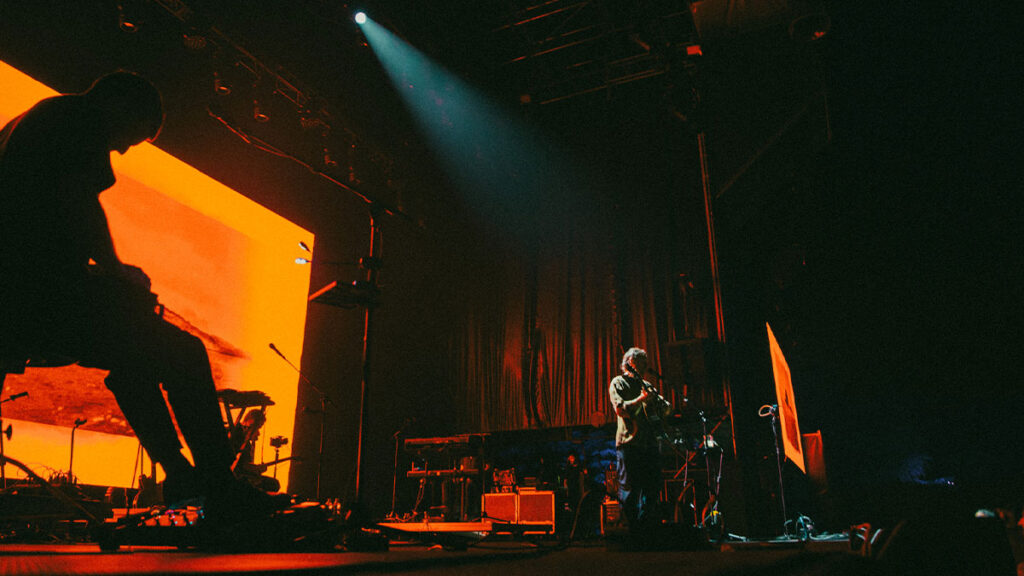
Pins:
x,y
276,443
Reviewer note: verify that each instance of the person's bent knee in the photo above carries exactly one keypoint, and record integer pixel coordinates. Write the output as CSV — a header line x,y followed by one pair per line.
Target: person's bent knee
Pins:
x,y
122,382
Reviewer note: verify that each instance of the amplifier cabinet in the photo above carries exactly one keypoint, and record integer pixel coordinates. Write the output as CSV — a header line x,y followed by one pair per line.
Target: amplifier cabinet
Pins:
x,y
533,508
537,507
502,507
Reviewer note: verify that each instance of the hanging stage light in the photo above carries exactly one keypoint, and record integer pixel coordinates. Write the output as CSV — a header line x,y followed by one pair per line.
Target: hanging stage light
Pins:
x,y
329,161
360,17
128,16
221,85
259,114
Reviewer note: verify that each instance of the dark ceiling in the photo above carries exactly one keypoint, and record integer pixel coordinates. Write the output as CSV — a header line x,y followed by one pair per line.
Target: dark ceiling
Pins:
x,y
564,63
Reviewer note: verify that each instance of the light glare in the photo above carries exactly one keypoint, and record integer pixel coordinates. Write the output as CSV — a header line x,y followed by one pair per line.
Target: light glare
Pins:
x,y
360,17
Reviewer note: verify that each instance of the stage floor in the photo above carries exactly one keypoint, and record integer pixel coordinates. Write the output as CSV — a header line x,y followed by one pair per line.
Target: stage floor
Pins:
x,y
509,558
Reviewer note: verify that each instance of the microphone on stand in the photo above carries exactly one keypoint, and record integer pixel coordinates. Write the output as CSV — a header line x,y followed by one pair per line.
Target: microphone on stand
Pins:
x,y
324,400
14,397
301,375
279,353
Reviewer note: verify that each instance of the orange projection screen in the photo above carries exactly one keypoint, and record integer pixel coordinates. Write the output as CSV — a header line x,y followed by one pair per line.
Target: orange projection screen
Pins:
x,y
224,268
787,404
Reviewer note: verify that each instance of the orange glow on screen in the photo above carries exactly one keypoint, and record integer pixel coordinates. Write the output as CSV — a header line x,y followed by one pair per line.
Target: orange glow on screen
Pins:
x,y
787,404
222,265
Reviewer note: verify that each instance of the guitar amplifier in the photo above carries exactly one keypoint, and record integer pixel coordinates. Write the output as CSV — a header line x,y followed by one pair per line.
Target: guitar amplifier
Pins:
x,y
528,508
537,507
501,507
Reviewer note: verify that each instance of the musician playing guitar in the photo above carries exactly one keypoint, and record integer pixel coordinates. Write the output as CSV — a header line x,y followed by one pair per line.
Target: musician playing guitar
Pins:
x,y
638,407
65,292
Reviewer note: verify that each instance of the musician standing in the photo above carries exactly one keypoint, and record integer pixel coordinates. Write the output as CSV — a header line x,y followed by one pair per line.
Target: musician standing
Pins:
x,y
637,405
64,291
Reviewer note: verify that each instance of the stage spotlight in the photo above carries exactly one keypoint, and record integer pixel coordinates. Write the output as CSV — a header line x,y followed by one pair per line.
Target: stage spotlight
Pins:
x,y
194,41
128,16
220,85
360,17
329,161
259,114
810,27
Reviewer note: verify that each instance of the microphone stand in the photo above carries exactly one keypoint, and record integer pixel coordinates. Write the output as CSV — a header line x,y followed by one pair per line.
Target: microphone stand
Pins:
x,y
3,457
394,483
71,461
773,411
324,400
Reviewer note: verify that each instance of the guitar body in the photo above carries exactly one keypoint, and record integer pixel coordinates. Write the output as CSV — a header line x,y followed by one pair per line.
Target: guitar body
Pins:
x,y
656,411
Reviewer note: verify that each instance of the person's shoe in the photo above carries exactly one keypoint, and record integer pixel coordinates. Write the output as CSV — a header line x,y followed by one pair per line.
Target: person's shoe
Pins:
x,y
238,501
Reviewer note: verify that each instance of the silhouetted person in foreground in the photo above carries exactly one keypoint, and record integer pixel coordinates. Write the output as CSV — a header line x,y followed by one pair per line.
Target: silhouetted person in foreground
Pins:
x,y
64,292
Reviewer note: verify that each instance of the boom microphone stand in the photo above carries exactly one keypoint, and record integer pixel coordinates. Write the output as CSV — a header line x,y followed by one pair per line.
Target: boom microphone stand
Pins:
x,y
324,400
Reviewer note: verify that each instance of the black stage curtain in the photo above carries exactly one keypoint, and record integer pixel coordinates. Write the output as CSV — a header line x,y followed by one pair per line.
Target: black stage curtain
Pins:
x,y
544,335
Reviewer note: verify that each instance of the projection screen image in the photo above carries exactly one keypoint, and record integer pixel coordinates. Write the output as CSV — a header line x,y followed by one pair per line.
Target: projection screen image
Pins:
x,y
787,404
224,269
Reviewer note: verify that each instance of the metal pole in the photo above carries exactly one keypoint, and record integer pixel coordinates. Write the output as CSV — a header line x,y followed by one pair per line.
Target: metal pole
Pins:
x,y
320,449
394,481
716,282
71,460
371,265
778,463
